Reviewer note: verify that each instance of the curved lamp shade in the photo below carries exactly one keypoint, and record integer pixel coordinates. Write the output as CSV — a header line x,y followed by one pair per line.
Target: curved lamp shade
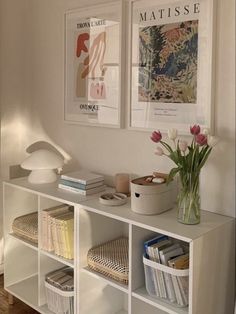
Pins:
x,y
42,164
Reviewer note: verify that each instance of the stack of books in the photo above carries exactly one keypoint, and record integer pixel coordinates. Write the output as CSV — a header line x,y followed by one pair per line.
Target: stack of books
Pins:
x,y
162,250
82,182
57,225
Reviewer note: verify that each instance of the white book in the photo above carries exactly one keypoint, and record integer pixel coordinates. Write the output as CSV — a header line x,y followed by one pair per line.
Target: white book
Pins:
x,y
46,241
83,176
82,192
165,255
156,247
154,271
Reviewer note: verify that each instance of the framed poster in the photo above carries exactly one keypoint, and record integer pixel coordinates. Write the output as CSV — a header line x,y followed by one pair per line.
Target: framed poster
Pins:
x,y
171,64
93,65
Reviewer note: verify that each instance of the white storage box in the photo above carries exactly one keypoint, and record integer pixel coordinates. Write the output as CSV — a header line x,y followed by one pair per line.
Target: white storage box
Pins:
x,y
169,284
59,286
148,198
59,301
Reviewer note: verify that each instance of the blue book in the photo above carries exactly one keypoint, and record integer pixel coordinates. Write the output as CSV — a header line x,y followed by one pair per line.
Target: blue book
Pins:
x,y
156,239
81,186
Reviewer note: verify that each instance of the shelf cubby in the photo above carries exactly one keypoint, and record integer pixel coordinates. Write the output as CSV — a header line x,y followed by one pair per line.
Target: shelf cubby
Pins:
x,y
97,229
139,236
140,307
100,297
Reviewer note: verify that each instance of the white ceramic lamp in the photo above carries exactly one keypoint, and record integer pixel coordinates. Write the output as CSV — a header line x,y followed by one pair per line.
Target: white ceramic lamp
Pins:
x,y
42,164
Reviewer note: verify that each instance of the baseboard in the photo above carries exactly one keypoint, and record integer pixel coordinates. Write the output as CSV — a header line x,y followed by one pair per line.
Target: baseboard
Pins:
x,y
1,269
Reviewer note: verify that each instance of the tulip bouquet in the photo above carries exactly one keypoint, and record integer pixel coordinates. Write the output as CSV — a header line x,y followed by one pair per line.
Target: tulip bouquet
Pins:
x,y
189,159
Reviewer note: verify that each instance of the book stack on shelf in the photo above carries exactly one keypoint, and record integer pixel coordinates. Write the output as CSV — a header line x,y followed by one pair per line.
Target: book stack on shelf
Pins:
x,y
82,182
161,254
58,231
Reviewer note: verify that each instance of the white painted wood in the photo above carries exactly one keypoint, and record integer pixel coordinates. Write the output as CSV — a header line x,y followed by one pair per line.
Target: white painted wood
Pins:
x,y
31,245
212,272
142,295
140,307
106,280
165,223
20,261
211,260
60,259
98,297
26,290
51,191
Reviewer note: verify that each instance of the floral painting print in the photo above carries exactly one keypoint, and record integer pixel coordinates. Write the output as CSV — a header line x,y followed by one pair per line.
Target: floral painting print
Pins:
x,y
168,63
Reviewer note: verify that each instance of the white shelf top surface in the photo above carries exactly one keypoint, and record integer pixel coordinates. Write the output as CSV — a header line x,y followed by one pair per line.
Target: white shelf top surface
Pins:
x,y
51,190
164,223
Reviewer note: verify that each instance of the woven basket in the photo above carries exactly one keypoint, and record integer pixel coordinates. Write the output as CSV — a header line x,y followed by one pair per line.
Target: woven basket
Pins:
x,y
26,227
111,259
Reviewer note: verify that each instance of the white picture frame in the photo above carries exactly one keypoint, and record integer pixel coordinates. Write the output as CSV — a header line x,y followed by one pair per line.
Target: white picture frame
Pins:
x,y
152,82
93,65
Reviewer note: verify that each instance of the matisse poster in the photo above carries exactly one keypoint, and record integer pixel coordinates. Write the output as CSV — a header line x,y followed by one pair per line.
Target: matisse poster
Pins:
x,y
170,65
92,85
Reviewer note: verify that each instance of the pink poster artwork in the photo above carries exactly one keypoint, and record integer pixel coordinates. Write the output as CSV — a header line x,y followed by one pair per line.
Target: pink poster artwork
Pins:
x,y
90,50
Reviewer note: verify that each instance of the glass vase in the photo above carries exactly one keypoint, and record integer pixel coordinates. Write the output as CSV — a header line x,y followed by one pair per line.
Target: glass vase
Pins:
x,y
189,199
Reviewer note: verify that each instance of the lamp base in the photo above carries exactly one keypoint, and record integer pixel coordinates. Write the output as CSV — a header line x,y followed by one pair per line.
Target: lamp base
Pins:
x,y
42,176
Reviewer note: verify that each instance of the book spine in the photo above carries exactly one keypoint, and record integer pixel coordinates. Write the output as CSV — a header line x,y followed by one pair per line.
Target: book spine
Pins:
x,y
154,271
72,189
160,275
69,233
81,186
54,235
44,230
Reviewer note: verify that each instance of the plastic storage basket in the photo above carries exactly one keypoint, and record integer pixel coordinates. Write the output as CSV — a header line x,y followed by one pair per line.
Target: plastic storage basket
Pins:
x,y
59,286
111,259
169,284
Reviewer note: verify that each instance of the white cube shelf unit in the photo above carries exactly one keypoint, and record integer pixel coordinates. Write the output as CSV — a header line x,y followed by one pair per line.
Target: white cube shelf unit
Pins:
x,y
211,246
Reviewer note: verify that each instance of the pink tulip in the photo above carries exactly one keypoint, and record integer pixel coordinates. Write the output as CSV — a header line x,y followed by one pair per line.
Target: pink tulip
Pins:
x,y
195,129
183,145
201,139
156,136
159,151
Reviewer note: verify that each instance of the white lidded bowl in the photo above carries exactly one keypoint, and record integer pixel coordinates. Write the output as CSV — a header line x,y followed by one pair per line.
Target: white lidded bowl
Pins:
x,y
42,164
151,198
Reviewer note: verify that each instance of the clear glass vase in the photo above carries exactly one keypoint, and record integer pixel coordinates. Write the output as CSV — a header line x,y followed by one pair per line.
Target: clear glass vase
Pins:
x,y
189,199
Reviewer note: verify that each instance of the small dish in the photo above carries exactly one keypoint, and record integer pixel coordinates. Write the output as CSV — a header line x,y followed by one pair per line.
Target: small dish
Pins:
x,y
113,199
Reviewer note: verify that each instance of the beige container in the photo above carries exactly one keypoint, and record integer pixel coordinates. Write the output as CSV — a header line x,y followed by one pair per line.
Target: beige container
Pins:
x,y
151,198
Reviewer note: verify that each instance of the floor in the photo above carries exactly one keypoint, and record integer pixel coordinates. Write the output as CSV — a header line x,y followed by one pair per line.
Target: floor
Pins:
x,y
17,308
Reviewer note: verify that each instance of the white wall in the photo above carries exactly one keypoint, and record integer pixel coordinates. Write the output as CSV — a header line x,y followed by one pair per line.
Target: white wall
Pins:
x,y
33,101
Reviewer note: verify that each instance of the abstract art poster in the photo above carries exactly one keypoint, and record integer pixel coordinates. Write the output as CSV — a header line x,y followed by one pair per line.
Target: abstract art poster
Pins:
x,y
93,65
170,64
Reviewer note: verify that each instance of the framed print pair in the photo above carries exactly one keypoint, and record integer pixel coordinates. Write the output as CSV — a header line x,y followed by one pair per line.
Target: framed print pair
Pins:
x,y
93,65
168,58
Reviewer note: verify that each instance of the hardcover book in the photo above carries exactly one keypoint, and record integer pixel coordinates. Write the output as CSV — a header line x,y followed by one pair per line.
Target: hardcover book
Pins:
x,y
82,192
83,176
